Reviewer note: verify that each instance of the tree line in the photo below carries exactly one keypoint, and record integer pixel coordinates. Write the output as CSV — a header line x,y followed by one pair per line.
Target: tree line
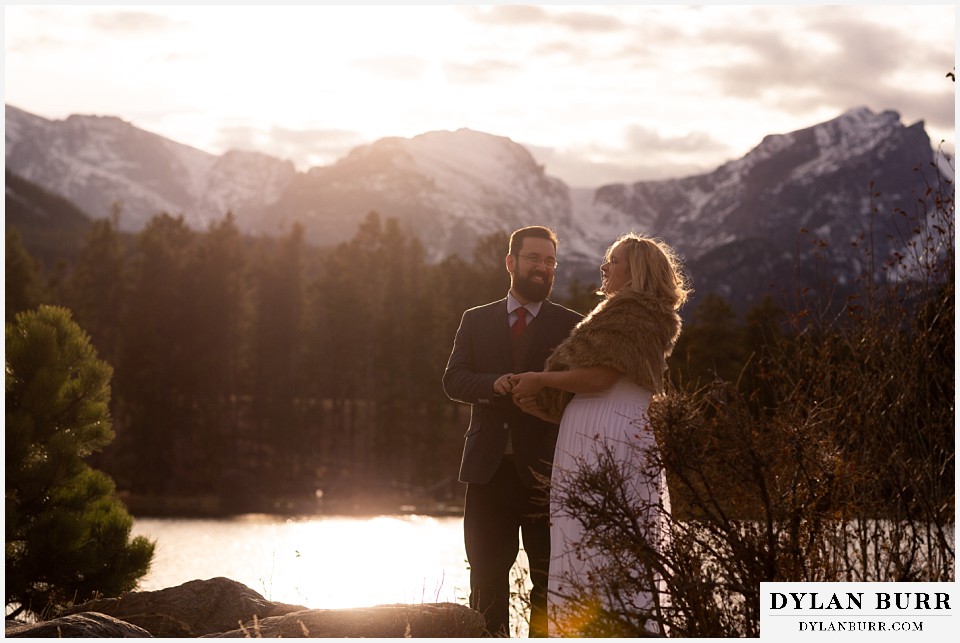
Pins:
x,y
256,369
260,373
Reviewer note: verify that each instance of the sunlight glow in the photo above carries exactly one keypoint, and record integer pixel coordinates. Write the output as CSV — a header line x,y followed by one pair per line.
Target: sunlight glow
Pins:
x,y
320,563
567,79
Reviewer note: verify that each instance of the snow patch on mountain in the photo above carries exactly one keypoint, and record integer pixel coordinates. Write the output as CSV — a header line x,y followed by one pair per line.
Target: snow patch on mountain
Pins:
x,y
196,165
99,161
452,187
241,181
473,183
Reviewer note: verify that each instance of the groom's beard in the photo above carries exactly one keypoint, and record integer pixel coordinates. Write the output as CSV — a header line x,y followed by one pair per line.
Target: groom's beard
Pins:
x,y
533,290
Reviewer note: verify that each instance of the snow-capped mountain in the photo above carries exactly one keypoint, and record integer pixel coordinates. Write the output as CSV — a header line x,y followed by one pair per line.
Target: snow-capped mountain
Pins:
x,y
799,180
448,187
96,161
749,222
760,219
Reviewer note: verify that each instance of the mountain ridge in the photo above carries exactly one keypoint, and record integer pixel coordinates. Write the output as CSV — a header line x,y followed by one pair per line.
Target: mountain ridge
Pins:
x,y
452,187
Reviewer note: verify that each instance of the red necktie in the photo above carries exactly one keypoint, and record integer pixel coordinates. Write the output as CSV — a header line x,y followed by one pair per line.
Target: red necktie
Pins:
x,y
521,322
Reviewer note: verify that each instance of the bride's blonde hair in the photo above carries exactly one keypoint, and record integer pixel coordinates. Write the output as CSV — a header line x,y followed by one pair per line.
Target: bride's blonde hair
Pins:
x,y
655,269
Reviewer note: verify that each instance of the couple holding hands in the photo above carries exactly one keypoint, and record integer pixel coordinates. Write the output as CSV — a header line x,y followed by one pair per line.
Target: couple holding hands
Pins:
x,y
550,391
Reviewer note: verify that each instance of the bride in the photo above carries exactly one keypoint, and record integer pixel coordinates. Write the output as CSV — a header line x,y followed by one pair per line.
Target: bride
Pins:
x,y
598,384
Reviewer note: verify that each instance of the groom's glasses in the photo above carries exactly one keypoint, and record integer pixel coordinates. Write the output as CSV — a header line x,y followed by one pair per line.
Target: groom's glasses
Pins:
x,y
548,262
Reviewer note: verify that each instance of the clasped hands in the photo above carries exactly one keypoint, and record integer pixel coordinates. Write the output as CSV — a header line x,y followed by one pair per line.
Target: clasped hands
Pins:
x,y
523,387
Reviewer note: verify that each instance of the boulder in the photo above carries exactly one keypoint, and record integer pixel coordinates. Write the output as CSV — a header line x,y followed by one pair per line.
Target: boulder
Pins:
x,y
193,609
85,625
223,608
428,620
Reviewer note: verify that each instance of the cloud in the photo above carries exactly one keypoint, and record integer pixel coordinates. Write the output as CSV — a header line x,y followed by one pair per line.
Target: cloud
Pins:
x,y
647,156
511,15
27,45
51,29
832,59
394,67
578,170
527,16
582,21
828,60
130,22
305,148
561,48
479,72
646,140
641,92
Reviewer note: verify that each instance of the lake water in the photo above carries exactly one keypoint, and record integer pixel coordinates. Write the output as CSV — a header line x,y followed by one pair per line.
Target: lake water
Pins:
x,y
317,562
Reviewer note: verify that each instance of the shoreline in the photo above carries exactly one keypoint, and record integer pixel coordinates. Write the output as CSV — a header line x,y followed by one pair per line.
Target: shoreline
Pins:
x,y
212,506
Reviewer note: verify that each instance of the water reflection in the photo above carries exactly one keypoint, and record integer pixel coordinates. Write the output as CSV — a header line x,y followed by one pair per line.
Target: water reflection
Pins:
x,y
327,562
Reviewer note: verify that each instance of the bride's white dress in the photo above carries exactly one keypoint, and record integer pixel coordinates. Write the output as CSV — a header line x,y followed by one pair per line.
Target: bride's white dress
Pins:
x,y
615,422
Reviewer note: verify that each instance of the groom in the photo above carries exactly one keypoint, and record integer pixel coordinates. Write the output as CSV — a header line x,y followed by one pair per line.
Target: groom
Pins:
x,y
506,447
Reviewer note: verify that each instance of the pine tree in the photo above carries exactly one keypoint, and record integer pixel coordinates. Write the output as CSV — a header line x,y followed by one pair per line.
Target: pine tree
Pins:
x,y
711,345
154,356
214,299
489,280
95,291
23,283
278,327
67,535
277,362
580,297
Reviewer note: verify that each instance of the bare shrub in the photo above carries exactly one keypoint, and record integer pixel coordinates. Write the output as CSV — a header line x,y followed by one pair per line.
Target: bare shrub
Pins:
x,y
835,463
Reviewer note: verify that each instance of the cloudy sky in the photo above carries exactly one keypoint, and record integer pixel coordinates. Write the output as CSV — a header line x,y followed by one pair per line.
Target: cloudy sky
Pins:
x,y
598,93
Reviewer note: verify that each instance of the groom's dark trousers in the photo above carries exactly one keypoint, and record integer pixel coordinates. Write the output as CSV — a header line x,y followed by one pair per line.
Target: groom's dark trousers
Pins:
x,y
504,499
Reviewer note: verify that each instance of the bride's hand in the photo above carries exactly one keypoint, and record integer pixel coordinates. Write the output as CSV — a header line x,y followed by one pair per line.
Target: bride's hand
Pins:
x,y
530,405
526,386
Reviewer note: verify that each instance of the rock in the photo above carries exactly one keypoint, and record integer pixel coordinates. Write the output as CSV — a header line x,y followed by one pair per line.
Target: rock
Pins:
x,y
222,608
193,609
83,625
437,620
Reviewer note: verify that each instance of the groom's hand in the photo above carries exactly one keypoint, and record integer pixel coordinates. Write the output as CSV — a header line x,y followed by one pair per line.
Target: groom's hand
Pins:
x,y
503,385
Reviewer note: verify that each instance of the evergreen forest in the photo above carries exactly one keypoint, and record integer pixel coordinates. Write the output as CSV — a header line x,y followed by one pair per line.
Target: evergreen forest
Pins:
x,y
265,374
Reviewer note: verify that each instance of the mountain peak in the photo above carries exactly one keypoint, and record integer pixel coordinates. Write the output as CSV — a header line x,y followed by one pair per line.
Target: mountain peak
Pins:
x,y
74,119
460,184
453,187
469,150
864,116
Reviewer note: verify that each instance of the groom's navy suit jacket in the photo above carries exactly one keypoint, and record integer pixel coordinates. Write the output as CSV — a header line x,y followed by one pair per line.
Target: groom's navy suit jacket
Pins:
x,y
482,352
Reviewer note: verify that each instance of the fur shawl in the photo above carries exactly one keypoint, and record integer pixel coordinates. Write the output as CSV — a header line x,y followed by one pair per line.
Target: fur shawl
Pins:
x,y
631,332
